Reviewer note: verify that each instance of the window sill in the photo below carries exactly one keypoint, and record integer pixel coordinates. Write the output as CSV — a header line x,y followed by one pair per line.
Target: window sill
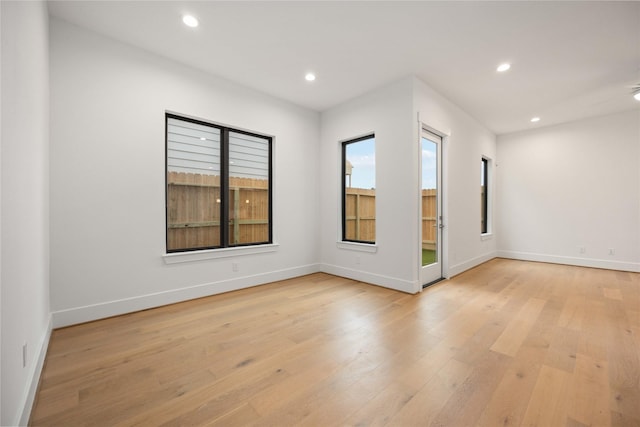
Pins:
x,y
487,236
179,257
359,247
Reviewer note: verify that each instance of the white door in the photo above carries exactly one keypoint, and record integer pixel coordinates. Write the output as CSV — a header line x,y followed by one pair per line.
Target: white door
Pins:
x,y
431,208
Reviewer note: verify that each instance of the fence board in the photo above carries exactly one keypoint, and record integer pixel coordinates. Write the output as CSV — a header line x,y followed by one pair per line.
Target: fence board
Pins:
x,y
429,220
360,215
194,212
193,215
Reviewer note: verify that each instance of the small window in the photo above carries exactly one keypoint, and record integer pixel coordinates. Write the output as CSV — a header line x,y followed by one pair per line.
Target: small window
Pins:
x,y
216,176
484,196
359,190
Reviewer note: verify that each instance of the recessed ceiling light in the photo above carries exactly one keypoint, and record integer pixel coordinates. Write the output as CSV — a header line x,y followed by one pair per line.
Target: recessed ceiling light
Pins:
x,y
637,95
310,77
190,21
535,119
503,67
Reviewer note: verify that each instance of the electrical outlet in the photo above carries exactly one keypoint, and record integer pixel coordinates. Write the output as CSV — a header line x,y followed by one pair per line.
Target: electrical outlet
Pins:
x,y
24,355
612,251
358,260
581,249
235,267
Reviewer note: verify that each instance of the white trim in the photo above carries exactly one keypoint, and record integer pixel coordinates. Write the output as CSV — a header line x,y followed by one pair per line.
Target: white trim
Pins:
x,y
359,247
469,264
430,129
34,376
486,236
341,190
191,256
442,214
92,312
374,279
580,262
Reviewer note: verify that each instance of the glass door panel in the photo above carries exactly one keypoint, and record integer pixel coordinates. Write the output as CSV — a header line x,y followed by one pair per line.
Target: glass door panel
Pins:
x,y
429,202
431,207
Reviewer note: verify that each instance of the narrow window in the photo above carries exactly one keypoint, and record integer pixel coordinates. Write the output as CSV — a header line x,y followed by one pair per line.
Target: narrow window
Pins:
x,y
249,203
359,190
484,196
216,176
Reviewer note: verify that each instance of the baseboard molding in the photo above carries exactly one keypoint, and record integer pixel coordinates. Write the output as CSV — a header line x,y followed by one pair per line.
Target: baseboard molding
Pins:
x,y
469,264
375,279
89,313
34,376
580,262
92,312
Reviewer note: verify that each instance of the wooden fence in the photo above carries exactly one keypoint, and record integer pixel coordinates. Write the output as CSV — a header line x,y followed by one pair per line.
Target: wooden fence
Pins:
x,y
193,215
429,220
194,212
361,216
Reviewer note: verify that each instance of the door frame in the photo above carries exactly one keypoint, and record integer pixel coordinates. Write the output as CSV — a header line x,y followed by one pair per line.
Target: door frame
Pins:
x,y
443,172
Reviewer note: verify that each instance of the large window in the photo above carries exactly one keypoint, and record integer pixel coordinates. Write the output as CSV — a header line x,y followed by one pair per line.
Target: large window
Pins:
x,y
359,190
484,196
218,186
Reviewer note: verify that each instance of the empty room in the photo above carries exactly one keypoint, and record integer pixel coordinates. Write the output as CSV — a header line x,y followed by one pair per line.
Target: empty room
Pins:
x,y
321,213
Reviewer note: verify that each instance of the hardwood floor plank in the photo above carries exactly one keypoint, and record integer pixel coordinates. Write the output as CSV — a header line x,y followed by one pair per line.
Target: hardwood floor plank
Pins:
x,y
573,313
241,416
548,404
563,349
468,401
508,403
506,343
379,410
423,408
612,293
513,336
589,392
620,420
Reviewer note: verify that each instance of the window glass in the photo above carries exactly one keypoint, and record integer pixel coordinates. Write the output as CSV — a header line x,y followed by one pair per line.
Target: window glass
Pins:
x,y
484,196
193,185
359,190
216,175
248,189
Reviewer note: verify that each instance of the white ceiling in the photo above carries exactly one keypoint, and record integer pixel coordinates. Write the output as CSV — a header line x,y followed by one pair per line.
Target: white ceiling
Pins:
x,y
570,60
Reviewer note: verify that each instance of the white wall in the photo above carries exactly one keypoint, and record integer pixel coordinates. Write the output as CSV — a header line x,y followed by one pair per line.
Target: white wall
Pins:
x,y
387,113
464,147
105,228
107,178
570,186
392,114
24,203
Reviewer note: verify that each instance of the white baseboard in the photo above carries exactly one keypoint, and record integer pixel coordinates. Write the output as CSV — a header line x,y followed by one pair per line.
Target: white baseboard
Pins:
x,y
580,262
34,376
92,312
474,262
89,313
375,279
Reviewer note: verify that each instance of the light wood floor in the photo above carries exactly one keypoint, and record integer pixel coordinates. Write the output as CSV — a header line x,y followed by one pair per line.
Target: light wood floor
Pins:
x,y
508,343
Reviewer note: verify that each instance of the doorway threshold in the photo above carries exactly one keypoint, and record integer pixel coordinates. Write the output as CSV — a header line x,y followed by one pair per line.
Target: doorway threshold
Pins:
x,y
426,285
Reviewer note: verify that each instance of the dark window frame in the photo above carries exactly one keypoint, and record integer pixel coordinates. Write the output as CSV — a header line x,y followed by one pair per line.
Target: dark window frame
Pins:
x,y
344,188
224,184
484,202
